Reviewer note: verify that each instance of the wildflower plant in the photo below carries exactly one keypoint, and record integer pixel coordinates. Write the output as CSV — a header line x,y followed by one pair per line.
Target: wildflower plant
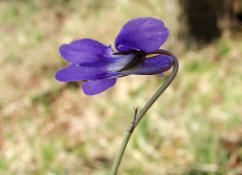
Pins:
x,y
137,52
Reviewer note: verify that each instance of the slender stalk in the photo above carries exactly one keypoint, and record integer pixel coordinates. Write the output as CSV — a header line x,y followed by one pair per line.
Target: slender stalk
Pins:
x,y
147,106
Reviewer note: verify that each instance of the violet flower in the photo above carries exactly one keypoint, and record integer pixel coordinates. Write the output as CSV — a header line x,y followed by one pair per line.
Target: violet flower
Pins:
x,y
100,65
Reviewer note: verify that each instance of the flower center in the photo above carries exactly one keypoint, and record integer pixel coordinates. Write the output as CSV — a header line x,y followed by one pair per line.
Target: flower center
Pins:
x,y
138,59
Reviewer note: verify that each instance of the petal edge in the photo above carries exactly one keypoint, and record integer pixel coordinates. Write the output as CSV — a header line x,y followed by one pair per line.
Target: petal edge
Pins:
x,y
98,86
83,50
144,33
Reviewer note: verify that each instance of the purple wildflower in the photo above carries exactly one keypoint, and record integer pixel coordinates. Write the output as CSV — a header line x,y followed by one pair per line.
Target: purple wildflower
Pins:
x,y
100,65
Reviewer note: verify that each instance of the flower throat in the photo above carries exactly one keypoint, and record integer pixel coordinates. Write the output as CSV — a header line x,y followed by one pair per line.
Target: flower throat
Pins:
x,y
137,60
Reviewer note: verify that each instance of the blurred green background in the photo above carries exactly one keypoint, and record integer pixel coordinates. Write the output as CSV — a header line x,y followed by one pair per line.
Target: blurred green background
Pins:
x,y
51,128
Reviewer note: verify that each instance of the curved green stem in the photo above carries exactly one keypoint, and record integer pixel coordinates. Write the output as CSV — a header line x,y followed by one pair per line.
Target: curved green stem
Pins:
x,y
147,106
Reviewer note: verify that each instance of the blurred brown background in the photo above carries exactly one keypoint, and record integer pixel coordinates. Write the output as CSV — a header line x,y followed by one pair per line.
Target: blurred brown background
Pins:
x,y
51,128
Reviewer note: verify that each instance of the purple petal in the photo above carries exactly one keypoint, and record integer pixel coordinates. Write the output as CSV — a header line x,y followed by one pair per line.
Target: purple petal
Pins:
x,y
145,33
83,50
98,86
75,72
151,66
111,63
90,53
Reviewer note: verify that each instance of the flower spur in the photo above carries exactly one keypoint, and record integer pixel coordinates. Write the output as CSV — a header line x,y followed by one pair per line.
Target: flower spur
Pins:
x,y
100,65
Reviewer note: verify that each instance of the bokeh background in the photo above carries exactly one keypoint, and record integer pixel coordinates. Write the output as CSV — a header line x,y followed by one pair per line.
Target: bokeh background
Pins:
x,y
51,128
